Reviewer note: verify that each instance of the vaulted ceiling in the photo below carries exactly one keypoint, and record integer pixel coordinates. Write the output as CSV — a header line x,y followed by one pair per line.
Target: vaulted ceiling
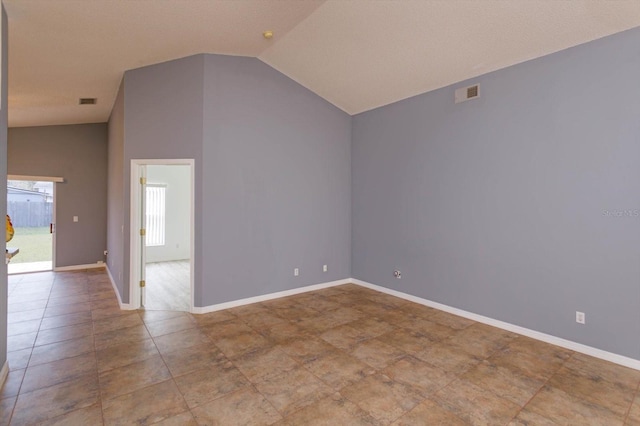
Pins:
x,y
357,54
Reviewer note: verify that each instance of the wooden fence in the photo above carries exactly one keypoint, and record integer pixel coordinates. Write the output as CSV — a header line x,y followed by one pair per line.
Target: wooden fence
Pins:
x,y
30,214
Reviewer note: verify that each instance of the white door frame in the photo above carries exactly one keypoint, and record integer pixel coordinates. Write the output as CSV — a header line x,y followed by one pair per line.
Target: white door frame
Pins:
x,y
135,224
54,179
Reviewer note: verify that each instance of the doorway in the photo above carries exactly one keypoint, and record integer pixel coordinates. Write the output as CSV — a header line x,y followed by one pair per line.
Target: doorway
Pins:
x,y
162,235
31,206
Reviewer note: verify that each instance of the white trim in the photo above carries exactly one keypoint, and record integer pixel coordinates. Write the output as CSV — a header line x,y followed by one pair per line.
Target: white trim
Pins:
x,y
568,344
270,296
123,306
78,267
36,178
4,372
134,223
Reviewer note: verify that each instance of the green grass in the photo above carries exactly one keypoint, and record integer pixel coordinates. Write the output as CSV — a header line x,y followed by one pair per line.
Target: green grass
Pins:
x,y
35,245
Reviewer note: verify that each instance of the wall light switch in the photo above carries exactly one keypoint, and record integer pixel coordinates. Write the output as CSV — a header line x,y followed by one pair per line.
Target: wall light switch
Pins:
x,y
75,218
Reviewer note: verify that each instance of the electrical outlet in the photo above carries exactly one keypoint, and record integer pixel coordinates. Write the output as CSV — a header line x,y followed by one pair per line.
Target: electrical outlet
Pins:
x,y
580,317
325,268
296,272
397,274
105,252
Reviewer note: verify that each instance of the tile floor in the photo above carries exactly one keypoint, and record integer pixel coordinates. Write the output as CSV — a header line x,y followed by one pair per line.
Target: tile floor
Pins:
x,y
168,286
340,356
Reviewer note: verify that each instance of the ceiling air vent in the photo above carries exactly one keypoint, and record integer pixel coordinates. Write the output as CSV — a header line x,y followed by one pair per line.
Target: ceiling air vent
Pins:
x,y
88,101
465,93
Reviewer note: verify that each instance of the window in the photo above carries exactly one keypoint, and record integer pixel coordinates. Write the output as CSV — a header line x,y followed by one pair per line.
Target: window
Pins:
x,y
155,214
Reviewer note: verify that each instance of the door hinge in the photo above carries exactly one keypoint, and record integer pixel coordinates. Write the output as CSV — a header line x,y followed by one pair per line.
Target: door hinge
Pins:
x,y
143,232
143,181
143,283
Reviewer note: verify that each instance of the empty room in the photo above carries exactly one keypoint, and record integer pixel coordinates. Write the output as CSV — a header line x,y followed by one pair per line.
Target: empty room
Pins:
x,y
297,212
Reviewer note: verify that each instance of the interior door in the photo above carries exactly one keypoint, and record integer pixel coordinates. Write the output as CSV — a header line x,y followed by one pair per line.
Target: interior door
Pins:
x,y
143,233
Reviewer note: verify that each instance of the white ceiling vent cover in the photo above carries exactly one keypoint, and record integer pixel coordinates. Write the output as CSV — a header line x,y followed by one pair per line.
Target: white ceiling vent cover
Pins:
x,y
466,93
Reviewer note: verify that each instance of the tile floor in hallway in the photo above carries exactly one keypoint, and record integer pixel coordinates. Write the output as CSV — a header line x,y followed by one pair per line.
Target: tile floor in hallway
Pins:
x,y
345,355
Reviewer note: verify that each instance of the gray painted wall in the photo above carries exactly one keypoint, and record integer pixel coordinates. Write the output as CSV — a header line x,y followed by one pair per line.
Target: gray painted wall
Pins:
x,y
3,188
276,183
163,119
115,192
514,205
78,153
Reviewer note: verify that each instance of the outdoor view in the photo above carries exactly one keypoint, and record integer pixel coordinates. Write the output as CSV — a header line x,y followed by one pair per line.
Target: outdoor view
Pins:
x,y
30,206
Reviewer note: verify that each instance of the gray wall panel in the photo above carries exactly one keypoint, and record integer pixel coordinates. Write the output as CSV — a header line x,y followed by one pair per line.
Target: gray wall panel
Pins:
x,y
507,205
78,153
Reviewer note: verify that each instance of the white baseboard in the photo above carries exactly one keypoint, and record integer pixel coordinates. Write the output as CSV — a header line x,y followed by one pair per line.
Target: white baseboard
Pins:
x,y
4,372
568,344
78,267
264,297
123,306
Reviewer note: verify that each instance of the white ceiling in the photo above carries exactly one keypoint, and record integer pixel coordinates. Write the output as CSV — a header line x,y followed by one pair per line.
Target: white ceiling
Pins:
x,y
357,54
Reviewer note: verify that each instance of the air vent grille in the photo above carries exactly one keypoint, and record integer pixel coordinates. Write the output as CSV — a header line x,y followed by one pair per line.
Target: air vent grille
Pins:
x,y
466,93
88,101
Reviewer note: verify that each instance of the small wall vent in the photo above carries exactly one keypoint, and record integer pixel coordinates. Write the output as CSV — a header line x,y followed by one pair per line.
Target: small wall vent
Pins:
x,y
466,93
88,101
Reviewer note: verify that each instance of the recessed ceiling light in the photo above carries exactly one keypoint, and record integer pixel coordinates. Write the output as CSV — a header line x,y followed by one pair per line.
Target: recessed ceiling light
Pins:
x,y
268,34
88,101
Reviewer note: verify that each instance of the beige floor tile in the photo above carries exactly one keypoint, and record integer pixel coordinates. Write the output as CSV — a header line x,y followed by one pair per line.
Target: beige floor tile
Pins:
x,y
448,357
263,321
68,300
617,374
344,337
240,344
450,320
30,315
203,386
66,349
332,410
308,350
422,376
339,369
19,360
21,341
125,354
73,308
284,333
243,407
193,358
429,413
117,323
6,409
12,384
182,419
382,398
372,327
481,340
152,316
508,383
214,318
132,377
121,336
91,415
293,390
145,406
429,329
23,327
634,412
528,418
56,372
181,340
376,353
475,405
229,328
408,341
60,334
539,361
262,364
26,305
65,320
562,408
593,388
54,401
